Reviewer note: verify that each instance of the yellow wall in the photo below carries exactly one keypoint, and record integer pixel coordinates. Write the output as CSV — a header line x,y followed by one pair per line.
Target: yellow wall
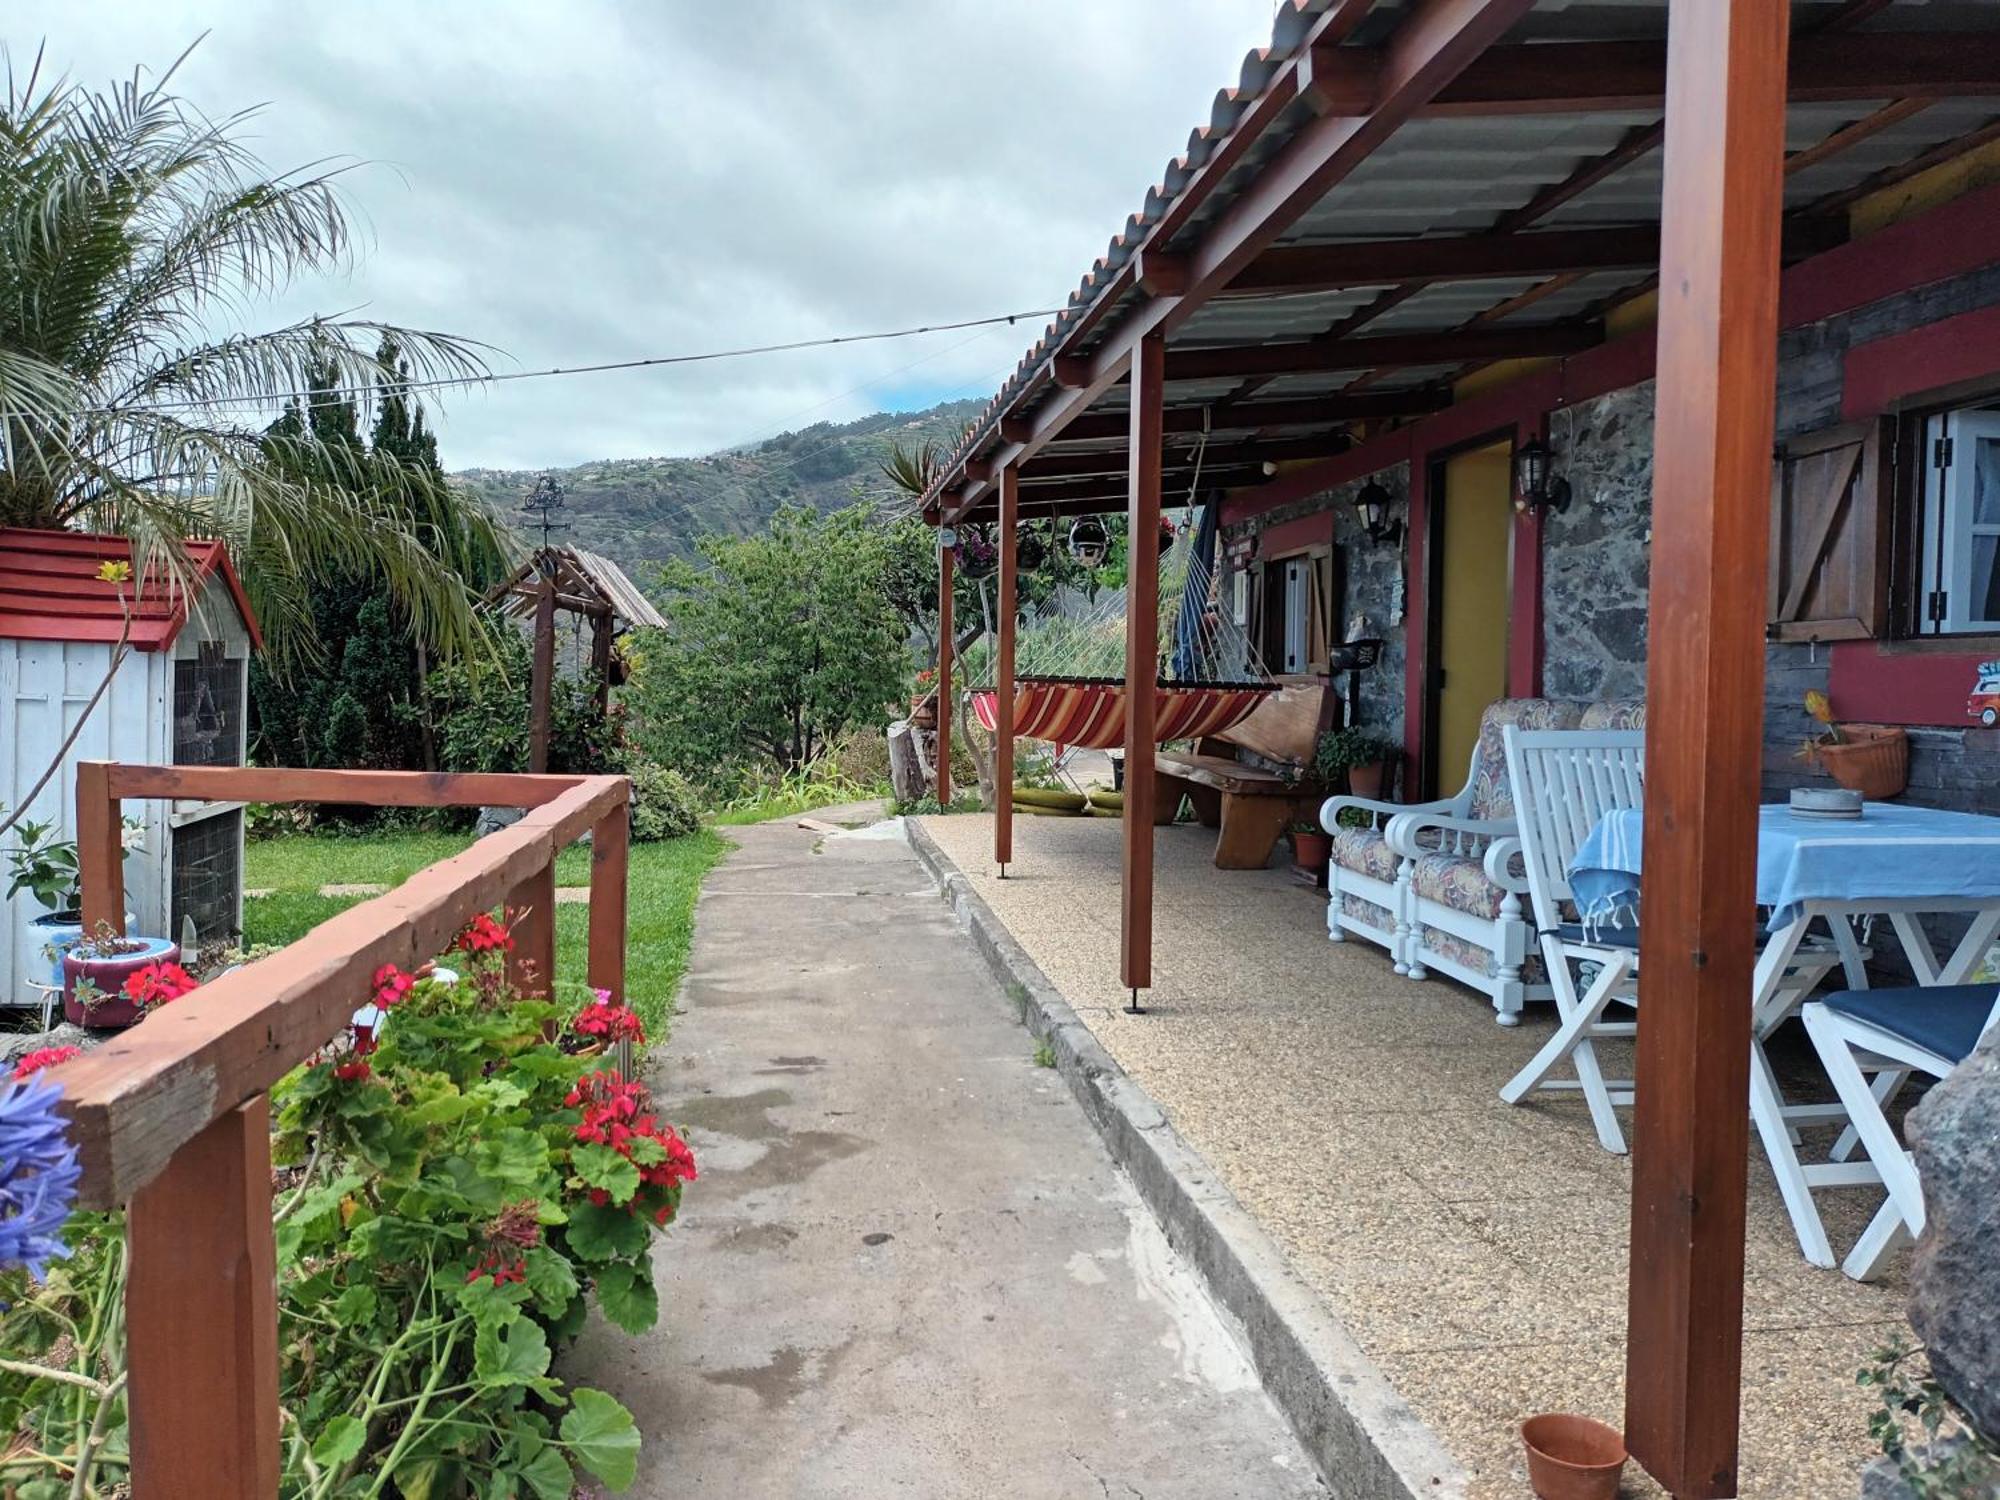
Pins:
x,y
1473,567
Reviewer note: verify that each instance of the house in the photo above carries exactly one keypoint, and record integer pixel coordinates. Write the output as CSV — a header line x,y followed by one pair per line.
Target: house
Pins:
x,y
174,672
1670,334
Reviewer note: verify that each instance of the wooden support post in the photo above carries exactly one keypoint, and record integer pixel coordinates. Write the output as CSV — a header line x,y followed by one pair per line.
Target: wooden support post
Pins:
x,y
610,846
541,684
202,1315
1711,524
100,849
600,661
1003,673
531,910
944,677
1142,663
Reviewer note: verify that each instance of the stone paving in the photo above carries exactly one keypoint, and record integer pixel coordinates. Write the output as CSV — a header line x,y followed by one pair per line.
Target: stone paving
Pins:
x,y
1477,1251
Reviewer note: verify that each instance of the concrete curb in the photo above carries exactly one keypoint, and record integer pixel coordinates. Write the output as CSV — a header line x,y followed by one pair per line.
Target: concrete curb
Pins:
x,y
1365,1439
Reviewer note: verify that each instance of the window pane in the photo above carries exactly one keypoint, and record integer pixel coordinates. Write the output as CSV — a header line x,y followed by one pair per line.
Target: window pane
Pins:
x,y
1985,578
1986,482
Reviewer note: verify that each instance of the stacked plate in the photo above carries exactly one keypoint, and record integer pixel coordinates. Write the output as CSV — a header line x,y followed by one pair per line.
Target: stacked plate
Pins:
x,y
1826,804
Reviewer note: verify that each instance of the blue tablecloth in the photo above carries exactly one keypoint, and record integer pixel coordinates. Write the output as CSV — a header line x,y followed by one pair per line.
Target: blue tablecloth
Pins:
x,y
1893,852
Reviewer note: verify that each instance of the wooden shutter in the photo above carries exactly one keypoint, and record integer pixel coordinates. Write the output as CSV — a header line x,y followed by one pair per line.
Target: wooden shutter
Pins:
x,y
1830,534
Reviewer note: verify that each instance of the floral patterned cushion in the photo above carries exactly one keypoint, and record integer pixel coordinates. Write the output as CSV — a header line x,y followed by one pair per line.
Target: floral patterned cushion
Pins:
x,y
1460,950
1491,797
1379,917
1615,713
1458,882
1366,852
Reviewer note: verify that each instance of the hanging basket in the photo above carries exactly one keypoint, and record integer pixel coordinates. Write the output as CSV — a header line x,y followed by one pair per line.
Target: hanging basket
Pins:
x,y
1089,542
1872,759
978,556
1031,550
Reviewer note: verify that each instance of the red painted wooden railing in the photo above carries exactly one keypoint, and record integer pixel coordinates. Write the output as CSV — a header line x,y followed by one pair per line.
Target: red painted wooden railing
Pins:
x,y
172,1118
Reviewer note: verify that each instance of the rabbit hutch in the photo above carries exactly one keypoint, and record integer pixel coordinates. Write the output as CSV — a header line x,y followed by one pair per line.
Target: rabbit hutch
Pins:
x,y
170,672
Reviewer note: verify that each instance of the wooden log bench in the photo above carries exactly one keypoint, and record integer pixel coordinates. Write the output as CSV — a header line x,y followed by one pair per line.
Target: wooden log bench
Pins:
x,y
1248,801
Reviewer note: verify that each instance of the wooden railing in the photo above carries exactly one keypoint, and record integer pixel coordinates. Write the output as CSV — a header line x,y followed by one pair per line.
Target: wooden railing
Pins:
x,y
172,1118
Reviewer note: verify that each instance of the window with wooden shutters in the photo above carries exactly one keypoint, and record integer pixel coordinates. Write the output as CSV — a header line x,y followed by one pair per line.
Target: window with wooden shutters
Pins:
x,y
1830,534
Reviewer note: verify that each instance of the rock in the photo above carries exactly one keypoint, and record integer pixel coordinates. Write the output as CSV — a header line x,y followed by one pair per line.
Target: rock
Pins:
x,y
493,819
20,1043
1955,1277
1883,1479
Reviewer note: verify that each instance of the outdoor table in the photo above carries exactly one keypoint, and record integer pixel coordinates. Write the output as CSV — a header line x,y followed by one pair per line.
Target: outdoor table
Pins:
x,y
1895,861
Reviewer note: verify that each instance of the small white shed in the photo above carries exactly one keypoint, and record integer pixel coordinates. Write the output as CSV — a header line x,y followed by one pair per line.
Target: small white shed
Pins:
x,y
179,697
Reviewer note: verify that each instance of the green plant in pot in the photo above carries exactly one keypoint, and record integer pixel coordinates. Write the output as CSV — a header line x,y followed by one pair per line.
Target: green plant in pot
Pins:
x,y
46,867
1357,756
1312,846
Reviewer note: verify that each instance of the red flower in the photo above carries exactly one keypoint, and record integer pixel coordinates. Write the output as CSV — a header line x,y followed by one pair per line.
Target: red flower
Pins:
x,y
391,985
483,935
606,1018
156,984
353,1070
43,1057
499,1270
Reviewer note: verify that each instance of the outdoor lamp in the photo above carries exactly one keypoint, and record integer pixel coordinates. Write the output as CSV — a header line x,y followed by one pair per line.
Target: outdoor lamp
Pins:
x,y
1371,506
1535,481
1089,542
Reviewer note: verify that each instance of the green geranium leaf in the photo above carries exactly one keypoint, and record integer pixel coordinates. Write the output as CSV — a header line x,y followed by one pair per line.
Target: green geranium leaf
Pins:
x,y
355,1305
339,1441
551,1279
515,1353
602,1167
646,1151
605,1233
548,1475
492,1306
602,1436
441,1110
626,1294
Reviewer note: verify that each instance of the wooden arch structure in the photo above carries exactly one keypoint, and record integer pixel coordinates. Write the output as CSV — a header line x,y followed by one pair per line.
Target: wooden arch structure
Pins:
x,y
586,584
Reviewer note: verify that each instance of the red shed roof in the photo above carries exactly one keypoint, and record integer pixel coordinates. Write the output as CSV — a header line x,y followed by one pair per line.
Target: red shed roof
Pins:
x,y
50,591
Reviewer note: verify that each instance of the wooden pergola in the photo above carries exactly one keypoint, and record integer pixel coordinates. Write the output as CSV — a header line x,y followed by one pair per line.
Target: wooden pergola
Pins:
x,y
1270,305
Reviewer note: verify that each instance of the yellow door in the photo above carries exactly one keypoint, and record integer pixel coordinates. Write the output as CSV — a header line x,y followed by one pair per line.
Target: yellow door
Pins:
x,y
1472,578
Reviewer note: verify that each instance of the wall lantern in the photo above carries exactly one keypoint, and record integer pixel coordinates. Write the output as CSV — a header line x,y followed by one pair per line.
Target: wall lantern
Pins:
x,y
1371,507
1089,542
1535,481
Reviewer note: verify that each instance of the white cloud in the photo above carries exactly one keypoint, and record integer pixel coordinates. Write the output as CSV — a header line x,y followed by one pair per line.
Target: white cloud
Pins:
x,y
586,181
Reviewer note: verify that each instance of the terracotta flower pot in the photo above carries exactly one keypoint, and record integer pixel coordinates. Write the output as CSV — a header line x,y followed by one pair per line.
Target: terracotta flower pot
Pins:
x,y
1872,759
109,975
923,711
1366,781
1572,1457
1311,848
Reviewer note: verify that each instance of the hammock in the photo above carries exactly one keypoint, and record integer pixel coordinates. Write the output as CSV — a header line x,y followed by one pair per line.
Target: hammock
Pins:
x,y
1068,683
1090,711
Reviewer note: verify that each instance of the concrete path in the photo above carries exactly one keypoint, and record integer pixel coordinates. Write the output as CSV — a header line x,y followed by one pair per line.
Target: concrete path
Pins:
x,y
908,1267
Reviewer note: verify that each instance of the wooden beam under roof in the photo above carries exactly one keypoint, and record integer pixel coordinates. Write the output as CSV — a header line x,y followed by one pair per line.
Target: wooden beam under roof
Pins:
x,y
1307,356
1234,453
1307,411
1606,76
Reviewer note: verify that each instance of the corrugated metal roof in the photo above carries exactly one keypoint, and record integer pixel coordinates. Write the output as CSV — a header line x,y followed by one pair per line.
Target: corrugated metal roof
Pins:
x,y
594,572
50,591
1447,176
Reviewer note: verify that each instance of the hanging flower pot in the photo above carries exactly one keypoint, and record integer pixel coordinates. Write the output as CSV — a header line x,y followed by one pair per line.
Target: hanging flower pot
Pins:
x,y
978,556
1030,551
1166,535
1089,542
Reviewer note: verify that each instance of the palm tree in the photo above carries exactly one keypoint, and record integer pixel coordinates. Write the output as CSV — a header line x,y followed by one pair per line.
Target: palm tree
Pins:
x,y
131,229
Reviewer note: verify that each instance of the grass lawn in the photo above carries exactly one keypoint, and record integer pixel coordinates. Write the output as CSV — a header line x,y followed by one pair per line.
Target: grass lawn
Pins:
x,y
665,879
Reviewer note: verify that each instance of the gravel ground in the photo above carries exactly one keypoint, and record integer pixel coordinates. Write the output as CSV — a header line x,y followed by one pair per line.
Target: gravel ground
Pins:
x,y
1476,1250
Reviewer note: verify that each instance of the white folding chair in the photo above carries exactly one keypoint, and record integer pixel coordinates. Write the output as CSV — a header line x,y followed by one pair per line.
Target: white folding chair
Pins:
x,y
1893,1032
1565,781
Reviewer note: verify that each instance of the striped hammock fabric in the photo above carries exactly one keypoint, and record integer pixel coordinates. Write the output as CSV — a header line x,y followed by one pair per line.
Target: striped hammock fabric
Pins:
x,y
1092,713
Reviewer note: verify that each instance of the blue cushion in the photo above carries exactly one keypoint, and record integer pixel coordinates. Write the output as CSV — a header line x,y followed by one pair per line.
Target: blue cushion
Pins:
x,y
1945,1019
1606,936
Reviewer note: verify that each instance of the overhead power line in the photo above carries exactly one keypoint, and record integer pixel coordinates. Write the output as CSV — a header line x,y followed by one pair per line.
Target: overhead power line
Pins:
x,y
446,382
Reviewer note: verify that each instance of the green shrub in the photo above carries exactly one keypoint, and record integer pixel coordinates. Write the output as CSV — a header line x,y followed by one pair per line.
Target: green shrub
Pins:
x,y
482,717
665,804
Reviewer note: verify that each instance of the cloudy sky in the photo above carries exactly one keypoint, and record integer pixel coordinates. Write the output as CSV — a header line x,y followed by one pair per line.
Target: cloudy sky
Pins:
x,y
577,182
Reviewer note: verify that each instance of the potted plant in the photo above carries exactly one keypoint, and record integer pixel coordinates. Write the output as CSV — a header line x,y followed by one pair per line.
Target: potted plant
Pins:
x,y
1031,550
1356,755
1312,846
978,554
110,981
47,868
1872,759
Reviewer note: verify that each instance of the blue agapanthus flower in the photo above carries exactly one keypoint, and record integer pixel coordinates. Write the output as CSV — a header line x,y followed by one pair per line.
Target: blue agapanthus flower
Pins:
x,y
38,1175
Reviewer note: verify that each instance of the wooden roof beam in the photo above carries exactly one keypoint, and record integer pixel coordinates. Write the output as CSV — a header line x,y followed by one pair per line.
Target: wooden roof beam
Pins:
x,y
1307,356
1564,77
1307,411
1234,454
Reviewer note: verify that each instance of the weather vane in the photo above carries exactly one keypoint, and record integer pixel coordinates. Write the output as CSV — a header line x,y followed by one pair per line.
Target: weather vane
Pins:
x,y
544,504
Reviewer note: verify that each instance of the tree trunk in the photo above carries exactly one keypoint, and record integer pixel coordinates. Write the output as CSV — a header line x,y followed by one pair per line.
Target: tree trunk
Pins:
x,y
909,777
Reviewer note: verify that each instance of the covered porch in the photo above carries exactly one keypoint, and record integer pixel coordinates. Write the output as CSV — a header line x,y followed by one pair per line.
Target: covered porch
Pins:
x,y
1476,1251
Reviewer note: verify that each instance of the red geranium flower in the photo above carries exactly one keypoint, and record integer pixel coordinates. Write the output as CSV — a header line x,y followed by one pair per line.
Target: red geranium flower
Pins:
x,y
156,984
43,1057
606,1018
484,935
391,985
353,1070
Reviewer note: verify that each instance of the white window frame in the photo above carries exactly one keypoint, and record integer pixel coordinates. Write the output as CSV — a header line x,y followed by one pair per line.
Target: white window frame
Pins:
x,y
1297,606
1950,528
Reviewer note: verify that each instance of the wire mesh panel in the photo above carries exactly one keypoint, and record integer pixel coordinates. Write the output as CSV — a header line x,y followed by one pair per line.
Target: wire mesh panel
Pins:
x,y
207,876
208,708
